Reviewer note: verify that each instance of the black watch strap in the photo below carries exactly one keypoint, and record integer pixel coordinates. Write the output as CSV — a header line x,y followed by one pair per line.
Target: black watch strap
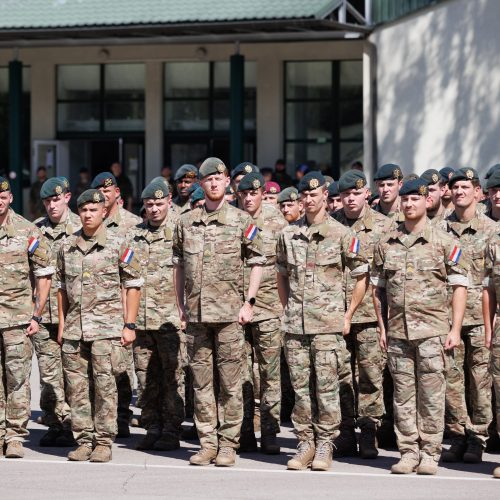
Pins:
x,y
131,326
251,301
38,319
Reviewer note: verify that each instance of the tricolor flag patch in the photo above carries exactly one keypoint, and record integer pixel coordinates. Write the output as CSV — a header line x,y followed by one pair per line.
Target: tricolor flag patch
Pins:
x,y
455,254
251,232
127,256
33,244
354,246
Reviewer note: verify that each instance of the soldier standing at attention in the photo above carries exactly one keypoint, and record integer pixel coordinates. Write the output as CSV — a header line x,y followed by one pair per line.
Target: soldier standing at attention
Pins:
x,y
369,226
24,253
211,244
290,204
263,333
413,267
159,349
446,200
311,261
59,223
493,186
185,176
435,210
333,201
238,172
92,267
472,229
389,179
120,221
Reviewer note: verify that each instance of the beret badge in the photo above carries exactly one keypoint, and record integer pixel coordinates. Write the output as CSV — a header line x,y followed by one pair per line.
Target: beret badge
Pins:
x,y
422,190
158,194
247,169
469,174
221,168
293,196
314,183
108,182
256,184
434,178
360,183
96,197
58,189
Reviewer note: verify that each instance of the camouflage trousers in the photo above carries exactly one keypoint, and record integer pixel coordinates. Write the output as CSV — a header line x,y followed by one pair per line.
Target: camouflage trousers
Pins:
x,y
160,359
364,391
91,389
123,367
52,395
313,361
263,341
219,346
473,357
417,368
15,394
495,372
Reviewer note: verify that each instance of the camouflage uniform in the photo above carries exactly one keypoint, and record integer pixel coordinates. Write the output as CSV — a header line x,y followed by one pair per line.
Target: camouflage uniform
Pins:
x,y
397,216
314,260
473,236
369,356
48,351
181,206
211,248
414,270
92,272
19,264
160,347
264,338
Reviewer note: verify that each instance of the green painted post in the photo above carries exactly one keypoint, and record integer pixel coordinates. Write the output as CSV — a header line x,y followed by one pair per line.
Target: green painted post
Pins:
x,y
15,133
237,116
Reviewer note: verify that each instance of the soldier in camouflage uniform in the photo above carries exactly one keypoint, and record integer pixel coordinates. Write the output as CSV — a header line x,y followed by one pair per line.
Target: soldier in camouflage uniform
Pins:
x,y
211,244
333,201
185,176
435,210
290,204
59,223
493,186
263,335
446,200
159,350
311,261
119,220
92,267
413,266
388,180
472,230
370,359
237,173
24,254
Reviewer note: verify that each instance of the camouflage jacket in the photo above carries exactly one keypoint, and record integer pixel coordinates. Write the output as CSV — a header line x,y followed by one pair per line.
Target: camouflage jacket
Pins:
x,y
369,228
492,279
181,207
212,248
436,220
267,304
397,215
415,271
122,220
55,236
154,250
92,272
473,236
314,260
24,253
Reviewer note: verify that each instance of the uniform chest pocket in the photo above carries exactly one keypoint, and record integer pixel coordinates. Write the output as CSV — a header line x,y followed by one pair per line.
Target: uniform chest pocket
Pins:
x,y
429,264
477,259
328,269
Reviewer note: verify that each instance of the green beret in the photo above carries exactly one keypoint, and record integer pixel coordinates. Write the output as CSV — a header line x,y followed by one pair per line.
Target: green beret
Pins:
x,y
212,166
186,170
4,184
414,186
352,179
104,179
243,168
463,174
333,190
312,180
431,176
446,173
328,180
52,187
194,186
492,170
493,180
229,190
387,172
155,190
410,177
288,194
65,181
197,195
253,180
90,196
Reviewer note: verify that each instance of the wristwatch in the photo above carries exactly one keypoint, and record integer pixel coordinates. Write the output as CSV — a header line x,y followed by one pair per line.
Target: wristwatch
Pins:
x,y
130,326
251,301
38,319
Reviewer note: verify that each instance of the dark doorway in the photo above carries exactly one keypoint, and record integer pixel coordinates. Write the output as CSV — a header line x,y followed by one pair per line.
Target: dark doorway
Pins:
x,y
102,155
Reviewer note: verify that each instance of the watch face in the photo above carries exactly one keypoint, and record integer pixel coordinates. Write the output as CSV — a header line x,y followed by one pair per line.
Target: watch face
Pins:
x,y
251,301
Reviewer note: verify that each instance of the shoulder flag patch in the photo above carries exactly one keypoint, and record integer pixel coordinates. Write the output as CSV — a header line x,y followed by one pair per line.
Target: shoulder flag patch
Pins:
x,y
33,244
354,246
455,255
127,256
250,232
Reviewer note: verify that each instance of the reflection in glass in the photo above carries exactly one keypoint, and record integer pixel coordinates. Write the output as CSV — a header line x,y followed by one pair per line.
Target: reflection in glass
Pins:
x,y
186,115
78,117
187,79
124,116
124,81
308,120
309,80
78,82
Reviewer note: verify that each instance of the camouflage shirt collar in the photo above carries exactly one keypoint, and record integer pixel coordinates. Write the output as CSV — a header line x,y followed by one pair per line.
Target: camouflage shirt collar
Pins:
x,y
321,228
8,229
408,239
219,215
99,239
459,227
114,219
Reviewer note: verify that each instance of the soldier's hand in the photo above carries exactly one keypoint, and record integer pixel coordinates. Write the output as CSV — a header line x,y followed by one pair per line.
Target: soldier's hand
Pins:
x,y
487,337
246,314
183,319
33,328
382,339
128,336
347,325
452,340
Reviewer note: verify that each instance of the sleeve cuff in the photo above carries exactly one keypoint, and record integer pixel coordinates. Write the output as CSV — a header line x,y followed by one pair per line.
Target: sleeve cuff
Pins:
x,y
61,285
360,270
486,282
137,283
44,271
259,260
458,280
378,282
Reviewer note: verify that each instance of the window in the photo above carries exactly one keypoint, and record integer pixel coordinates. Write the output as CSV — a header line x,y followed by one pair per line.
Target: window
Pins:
x,y
324,114
100,98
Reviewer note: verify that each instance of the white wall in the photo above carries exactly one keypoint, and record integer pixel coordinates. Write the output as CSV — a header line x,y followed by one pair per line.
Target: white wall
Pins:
x,y
438,87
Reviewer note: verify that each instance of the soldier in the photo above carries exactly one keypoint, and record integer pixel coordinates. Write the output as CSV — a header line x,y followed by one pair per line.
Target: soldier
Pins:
x,y
369,226
473,230
311,260
159,349
493,186
263,333
388,179
59,223
92,267
211,244
238,172
184,178
24,254
120,221
491,292
333,201
197,198
412,267
446,200
271,193
290,204
435,210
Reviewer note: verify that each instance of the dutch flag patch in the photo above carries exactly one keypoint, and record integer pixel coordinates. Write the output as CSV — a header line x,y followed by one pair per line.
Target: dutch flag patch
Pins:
x,y
127,256
455,254
251,232
33,244
354,246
